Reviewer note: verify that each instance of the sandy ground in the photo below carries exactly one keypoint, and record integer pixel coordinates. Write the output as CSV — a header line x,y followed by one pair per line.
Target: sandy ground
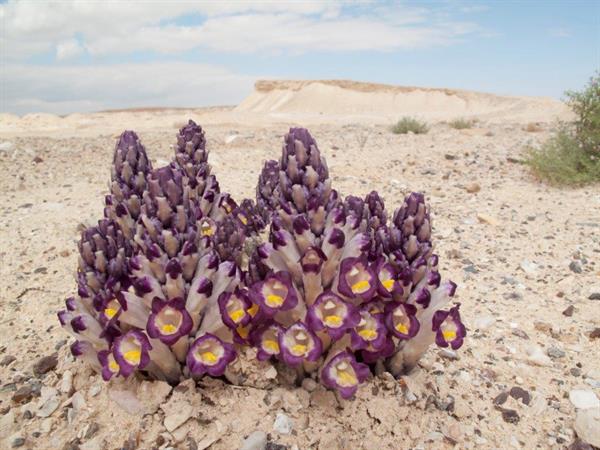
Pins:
x,y
521,252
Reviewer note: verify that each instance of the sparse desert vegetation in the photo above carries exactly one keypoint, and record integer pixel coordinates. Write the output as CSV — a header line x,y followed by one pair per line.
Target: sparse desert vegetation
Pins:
x,y
410,124
461,123
572,156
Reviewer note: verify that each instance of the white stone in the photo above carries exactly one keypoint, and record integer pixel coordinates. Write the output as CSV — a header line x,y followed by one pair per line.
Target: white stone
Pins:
x,y
48,407
46,425
537,357
175,420
529,267
6,146
66,384
283,424
484,322
271,373
587,426
255,441
583,399
126,400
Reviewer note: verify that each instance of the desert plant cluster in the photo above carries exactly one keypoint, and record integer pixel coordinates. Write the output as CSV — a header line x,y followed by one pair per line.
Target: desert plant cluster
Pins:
x,y
178,277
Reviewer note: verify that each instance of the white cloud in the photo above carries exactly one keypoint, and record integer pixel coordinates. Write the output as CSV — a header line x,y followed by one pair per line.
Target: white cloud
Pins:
x,y
68,49
65,89
106,28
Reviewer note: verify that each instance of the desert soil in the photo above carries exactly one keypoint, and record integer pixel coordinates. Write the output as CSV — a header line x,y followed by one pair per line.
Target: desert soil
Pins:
x,y
525,257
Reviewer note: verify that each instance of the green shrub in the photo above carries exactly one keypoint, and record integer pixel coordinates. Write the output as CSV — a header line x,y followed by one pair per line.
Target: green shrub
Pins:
x,y
461,124
586,105
407,124
572,156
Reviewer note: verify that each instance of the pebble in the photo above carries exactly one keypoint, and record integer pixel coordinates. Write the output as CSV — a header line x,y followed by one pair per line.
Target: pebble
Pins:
x,y
446,353
555,353
584,399
48,407
595,333
472,188
575,267
255,441
22,394
569,311
587,426
529,267
309,384
7,360
45,364
17,441
485,218
537,357
66,384
484,322
283,424
594,296
175,420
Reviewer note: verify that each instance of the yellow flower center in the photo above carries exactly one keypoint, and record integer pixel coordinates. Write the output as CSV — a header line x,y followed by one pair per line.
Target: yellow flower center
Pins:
x,y
110,312
333,321
133,356
368,334
449,335
274,300
299,349
402,328
346,378
209,357
113,366
253,310
169,329
237,315
361,286
388,284
271,345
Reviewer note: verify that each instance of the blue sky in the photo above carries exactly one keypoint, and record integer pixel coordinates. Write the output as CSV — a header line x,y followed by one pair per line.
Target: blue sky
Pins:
x,y
72,56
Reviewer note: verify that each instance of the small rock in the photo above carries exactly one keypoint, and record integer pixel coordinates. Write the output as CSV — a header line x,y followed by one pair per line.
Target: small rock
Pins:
x,y
270,373
575,267
569,311
45,364
37,160
583,399
23,394
484,218
309,384
587,426
520,333
484,322
594,296
7,360
446,353
66,384
48,407
578,444
595,333
501,398
520,394
510,416
255,441
92,430
472,188
555,353
283,424
537,357
17,442
528,267
175,420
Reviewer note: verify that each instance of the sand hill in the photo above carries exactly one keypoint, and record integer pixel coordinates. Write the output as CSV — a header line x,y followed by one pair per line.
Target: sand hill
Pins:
x,y
380,101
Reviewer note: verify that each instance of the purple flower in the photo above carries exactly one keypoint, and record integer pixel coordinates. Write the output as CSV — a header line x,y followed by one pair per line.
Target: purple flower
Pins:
x,y
209,354
332,313
387,284
266,340
370,332
370,355
298,344
169,320
235,308
130,351
275,293
357,279
401,321
449,330
109,364
344,374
